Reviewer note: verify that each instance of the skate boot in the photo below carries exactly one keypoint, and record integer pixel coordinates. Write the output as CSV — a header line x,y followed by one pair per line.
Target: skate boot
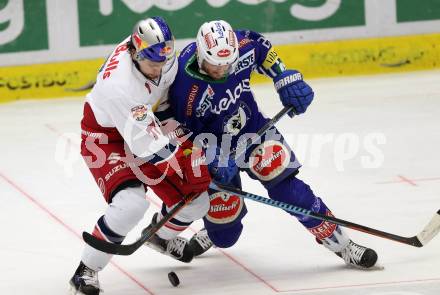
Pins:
x,y
200,242
354,255
84,281
177,248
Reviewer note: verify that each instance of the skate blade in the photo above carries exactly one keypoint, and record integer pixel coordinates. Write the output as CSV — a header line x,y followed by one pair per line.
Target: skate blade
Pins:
x,y
375,267
154,247
74,291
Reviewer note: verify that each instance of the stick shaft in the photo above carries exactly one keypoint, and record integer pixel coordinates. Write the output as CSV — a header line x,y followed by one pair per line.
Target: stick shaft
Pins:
x,y
430,230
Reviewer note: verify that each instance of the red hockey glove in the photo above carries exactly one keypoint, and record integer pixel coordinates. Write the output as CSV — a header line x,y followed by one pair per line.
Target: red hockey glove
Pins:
x,y
188,162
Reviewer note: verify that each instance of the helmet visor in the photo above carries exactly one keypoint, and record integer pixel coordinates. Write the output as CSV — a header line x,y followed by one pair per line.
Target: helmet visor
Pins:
x,y
158,52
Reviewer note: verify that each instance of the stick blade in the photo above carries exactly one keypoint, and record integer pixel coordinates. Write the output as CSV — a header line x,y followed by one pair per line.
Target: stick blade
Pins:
x,y
85,87
430,230
107,247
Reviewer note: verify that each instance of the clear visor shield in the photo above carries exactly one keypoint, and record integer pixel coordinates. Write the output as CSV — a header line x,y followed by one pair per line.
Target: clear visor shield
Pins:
x,y
217,71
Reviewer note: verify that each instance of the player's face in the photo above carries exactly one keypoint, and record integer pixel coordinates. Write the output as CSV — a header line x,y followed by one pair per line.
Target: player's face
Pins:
x,y
151,69
215,72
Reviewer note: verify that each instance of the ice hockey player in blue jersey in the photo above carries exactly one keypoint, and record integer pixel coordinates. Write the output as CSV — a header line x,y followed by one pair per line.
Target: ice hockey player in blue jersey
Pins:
x,y
212,96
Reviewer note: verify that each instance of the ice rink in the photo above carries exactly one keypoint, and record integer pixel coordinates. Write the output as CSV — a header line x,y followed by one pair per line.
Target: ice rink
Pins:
x,y
369,147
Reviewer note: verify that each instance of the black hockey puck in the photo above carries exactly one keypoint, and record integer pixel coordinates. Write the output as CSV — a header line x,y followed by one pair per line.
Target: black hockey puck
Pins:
x,y
174,279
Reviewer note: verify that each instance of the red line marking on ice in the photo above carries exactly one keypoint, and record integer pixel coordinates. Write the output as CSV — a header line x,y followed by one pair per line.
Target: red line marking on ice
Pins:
x,y
412,181
68,228
229,256
262,280
53,129
259,278
57,132
407,180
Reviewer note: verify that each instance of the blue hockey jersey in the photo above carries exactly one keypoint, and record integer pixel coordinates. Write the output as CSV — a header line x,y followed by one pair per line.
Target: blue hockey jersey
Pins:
x,y
227,106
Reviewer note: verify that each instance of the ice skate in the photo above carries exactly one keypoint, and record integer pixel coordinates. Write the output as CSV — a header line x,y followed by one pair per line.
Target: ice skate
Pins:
x,y
354,255
200,242
84,281
177,248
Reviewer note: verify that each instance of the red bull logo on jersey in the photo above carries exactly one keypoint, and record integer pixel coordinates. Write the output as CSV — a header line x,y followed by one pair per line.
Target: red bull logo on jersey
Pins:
x,y
224,207
140,112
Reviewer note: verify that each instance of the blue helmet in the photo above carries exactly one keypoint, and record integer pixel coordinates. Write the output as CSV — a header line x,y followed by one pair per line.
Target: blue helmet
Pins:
x,y
153,40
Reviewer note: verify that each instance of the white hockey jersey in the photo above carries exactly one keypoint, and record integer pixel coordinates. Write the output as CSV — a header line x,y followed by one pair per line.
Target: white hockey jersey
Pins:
x,y
125,99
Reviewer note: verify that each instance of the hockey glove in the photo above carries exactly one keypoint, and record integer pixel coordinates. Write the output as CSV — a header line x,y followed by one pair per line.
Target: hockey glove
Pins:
x,y
189,163
222,169
293,91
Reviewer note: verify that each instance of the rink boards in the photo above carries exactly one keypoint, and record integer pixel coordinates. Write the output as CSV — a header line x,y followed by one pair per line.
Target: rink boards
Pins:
x,y
321,59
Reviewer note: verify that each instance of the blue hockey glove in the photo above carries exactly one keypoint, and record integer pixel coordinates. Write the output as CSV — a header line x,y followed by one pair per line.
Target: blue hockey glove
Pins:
x,y
293,91
222,169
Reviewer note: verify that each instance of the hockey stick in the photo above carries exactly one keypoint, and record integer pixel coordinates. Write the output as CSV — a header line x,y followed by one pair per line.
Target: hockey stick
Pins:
x,y
242,146
85,87
419,240
128,249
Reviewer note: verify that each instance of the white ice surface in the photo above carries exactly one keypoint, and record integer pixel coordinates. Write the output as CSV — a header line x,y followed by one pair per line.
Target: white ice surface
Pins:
x,y
45,206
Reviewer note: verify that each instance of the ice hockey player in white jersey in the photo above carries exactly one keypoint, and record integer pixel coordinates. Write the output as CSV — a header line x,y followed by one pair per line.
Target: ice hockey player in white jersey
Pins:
x,y
126,120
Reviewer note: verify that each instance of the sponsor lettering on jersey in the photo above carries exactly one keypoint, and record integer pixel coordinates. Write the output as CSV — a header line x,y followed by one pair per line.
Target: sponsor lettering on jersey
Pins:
x,y
243,42
206,103
140,112
271,58
113,158
113,62
93,135
269,160
188,49
245,61
189,102
114,170
325,229
224,207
